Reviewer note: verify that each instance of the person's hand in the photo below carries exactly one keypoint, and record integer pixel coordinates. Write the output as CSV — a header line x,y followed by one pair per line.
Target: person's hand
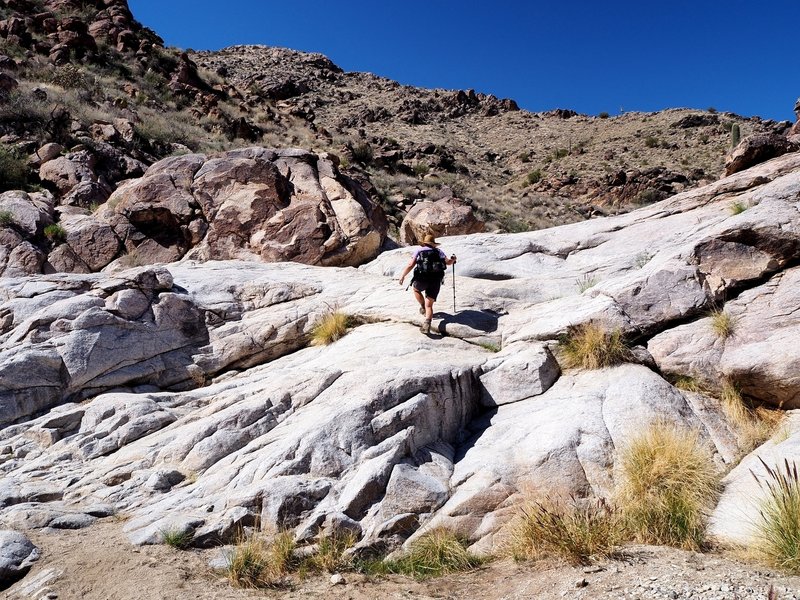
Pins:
x,y
453,258
402,277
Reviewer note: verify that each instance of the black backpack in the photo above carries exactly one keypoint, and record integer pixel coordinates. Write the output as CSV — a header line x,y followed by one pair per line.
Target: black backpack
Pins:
x,y
430,265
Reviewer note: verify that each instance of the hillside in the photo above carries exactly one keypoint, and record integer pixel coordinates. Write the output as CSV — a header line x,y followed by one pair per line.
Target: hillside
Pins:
x,y
412,140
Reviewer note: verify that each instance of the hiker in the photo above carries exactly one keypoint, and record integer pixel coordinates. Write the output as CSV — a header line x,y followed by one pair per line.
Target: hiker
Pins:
x,y
429,264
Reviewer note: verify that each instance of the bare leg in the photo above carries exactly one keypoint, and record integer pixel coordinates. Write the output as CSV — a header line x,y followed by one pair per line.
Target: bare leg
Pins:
x,y
429,308
420,298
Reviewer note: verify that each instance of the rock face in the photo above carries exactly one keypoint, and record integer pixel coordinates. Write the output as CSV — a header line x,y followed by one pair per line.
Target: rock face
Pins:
x,y
186,396
448,216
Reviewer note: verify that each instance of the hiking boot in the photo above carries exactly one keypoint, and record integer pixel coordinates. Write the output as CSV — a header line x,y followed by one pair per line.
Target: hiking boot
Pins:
x,y
426,326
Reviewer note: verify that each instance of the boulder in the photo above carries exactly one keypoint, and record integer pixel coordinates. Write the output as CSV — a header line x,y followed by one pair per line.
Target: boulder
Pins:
x,y
755,149
448,216
28,215
251,204
91,240
66,172
46,153
17,555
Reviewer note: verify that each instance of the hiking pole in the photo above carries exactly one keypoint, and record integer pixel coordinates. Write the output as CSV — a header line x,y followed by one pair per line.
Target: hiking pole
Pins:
x,y
454,288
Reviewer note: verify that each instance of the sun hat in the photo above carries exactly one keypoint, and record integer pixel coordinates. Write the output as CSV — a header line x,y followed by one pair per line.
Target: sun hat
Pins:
x,y
430,240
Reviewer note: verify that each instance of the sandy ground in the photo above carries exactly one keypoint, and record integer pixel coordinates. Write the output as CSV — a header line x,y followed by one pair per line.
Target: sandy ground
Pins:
x,y
99,564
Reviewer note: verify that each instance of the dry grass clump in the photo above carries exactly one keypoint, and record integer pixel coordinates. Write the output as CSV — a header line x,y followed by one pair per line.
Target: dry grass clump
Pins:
x,y
592,346
580,531
753,425
331,555
779,516
722,323
331,327
668,485
256,562
438,552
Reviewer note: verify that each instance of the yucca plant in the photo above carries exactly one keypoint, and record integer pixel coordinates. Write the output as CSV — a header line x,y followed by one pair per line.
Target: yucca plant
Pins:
x,y
578,531
593,346
668,485
779,515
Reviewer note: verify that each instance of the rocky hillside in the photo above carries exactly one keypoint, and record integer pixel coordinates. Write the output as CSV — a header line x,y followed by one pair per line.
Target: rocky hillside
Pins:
x,y
523,170
185,398
90,98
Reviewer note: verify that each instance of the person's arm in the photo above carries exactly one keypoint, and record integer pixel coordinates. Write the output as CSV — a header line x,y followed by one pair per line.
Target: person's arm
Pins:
x,y
448,261
408,269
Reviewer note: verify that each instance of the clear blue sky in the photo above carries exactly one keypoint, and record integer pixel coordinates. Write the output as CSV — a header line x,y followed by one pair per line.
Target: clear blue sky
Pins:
x,y
590,56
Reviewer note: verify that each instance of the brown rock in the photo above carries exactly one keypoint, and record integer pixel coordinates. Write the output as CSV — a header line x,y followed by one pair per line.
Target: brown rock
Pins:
x,y
66,172
449,216
7,83
756,149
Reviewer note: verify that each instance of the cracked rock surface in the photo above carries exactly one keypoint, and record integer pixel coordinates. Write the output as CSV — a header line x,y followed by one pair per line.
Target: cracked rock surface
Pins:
x,y
187,397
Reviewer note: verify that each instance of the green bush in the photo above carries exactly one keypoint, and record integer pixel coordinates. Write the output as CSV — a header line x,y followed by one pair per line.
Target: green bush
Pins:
x,y
362,153
534,176
55,233
603,115
6,218
651,142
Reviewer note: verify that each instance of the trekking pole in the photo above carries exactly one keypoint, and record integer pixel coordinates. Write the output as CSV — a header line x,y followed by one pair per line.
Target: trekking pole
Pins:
x,y
454,288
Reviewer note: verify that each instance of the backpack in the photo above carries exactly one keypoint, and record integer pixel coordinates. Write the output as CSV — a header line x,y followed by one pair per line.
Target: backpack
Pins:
x,y
430,265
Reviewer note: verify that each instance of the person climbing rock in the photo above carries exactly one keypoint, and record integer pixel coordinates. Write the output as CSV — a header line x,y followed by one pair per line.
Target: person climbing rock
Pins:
x,y
429,264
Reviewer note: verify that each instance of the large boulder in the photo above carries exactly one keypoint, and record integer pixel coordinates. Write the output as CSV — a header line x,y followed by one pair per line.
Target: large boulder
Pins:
x,y
755,149
448,216
252,204
65,172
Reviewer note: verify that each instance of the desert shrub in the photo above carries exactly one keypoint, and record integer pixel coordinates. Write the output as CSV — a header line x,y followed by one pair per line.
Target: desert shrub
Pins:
x,y
534,176
560,153
525,156
330,327
71,77
586,282
421,169
331,553
737,208
603,115
177,538
13,170
651,142
255,562
593,346
778,522
641,259
712,110
438,552
668,485
579,531
687,383
649,196
55,233
362,153
6,218
722,323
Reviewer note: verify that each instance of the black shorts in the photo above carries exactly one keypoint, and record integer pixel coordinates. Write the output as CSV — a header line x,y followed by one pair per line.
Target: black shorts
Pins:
x,y
429,286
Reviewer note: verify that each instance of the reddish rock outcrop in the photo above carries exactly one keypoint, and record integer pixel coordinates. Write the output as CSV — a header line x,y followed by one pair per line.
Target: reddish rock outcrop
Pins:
x,y
448,216
756,149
